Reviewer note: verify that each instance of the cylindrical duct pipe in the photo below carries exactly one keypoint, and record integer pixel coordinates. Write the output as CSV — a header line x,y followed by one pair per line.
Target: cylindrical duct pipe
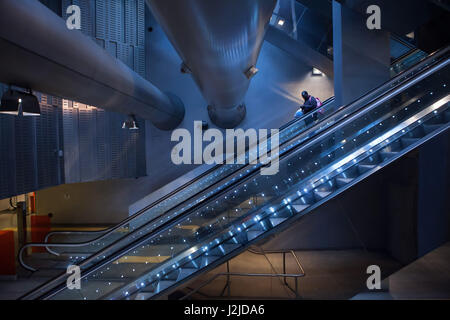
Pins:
x,y
219,42
39,52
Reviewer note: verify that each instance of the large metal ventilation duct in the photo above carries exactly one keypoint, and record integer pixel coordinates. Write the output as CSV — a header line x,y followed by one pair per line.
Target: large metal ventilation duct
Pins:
x,y
219,42
39,52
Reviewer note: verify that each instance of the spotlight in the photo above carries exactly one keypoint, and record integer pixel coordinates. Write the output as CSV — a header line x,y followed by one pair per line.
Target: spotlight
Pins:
x,y
411,35
317,72
20,103
281,22
130,123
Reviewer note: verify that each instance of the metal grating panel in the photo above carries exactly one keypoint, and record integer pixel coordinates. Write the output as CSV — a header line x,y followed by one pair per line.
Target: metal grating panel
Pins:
x,y
71,146
131,22
92,142
87,141
140,23
46,146
7,156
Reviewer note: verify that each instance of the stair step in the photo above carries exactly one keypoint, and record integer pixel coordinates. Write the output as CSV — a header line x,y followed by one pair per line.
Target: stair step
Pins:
x,y
150,289
365,167
185,272
172,276
163,284
446,116
276,221
387,154
408,141
228,247
300,207
208,259
143,296
431,127
254,231
371,161
322,194
343,181
223,249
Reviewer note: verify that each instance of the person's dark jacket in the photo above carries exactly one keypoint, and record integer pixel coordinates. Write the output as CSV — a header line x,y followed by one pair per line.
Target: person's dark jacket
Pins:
x,y
310,105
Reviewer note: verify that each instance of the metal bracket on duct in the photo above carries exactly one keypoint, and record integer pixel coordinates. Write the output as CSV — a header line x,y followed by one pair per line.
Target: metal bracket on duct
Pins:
x,y
39,52
220,42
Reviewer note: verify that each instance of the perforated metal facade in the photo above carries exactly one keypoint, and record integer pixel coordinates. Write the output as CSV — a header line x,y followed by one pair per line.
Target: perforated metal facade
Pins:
x,y
72,142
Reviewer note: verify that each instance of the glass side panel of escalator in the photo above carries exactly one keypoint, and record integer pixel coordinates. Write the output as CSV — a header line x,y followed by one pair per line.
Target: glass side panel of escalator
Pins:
x,y
308,175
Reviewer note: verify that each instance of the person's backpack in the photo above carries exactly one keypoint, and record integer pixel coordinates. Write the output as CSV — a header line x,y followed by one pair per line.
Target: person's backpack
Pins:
x,y
319,104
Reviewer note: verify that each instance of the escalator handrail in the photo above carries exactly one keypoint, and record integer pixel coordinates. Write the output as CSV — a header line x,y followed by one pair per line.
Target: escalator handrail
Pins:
x,y
175,220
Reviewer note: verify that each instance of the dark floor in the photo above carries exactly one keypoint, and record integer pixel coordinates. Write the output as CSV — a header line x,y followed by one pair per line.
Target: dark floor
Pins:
x,y
426,278
337,274
328,275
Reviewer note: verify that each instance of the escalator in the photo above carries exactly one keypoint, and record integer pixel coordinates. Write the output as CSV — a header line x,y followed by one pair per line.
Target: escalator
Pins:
x,y
317,163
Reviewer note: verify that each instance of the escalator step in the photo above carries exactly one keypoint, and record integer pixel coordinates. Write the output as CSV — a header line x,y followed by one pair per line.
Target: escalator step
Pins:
x,y
228,247
322,193
300,207
431,127
343,181
172,276
387,154
143,296
185,272
254,231
276,221
408,141
207,260
447,116
148,289
163,284
365,167
223,249
371,161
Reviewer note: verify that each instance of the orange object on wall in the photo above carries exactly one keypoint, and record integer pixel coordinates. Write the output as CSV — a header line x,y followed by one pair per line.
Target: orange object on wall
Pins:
x,y
40,226
33,202
7,256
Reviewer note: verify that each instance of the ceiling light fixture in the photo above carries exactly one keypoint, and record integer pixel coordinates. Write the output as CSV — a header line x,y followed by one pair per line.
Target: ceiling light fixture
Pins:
x,y
130,123
317,72
20,103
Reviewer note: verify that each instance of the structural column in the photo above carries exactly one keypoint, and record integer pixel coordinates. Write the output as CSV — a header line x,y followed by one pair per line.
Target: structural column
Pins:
x,y
361,56
433,204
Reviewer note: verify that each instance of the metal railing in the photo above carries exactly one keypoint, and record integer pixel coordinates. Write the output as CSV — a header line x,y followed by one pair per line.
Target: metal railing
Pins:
x,y
282,275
